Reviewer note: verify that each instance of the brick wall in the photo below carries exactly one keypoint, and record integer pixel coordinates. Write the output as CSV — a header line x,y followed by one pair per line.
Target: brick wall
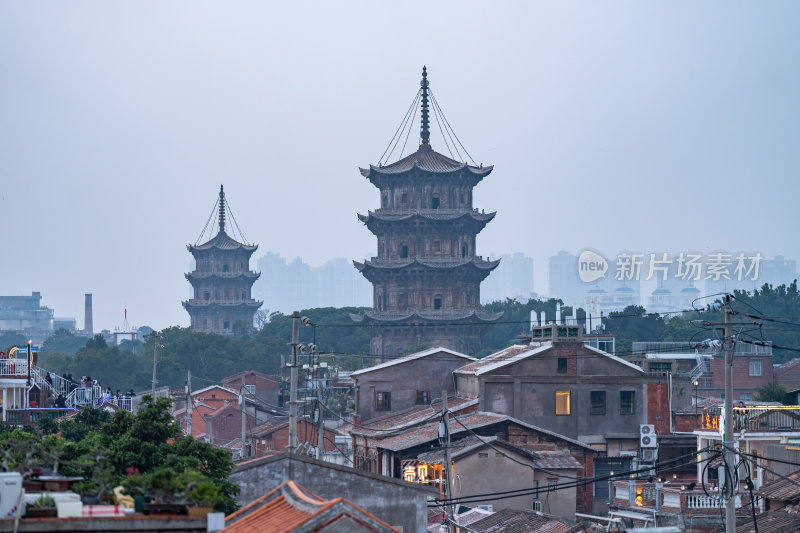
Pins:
x,y
658,408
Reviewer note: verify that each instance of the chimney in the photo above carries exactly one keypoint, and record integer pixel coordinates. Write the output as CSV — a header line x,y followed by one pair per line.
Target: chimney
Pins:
x,y
88,327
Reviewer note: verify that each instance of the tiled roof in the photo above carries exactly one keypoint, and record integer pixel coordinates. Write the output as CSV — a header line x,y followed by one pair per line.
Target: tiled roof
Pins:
x,y
782,489
514,521
289,506
224,242
428,214
412,357
502,355
415,416
769,522
478,264
430,432
426,159
418,314
543,460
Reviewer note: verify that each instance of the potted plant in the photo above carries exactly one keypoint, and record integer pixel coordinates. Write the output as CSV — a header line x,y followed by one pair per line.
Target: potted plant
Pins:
x,y
44,506
165,486
201,494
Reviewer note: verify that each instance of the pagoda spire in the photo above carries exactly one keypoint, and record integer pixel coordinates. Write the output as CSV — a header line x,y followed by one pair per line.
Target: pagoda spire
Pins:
x,y
425,129
221,209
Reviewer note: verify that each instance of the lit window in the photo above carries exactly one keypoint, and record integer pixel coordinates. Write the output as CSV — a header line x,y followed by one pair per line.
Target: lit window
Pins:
x,y
383,401
562,402
598,398
626,398
755,367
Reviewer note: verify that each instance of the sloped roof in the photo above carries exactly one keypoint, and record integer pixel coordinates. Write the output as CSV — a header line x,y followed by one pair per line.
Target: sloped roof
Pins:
x,y
414,416
412,357
517,521
478,264
516,353
544,460
416,436
782,489
476,315
289,507
223,241
769,522
428,214
427,160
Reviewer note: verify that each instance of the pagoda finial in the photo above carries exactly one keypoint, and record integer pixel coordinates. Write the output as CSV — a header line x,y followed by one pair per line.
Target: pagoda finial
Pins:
x,y
221,209
425,130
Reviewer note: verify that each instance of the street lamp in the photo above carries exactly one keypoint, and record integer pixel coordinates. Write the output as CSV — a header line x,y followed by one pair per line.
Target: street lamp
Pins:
x,y
696,383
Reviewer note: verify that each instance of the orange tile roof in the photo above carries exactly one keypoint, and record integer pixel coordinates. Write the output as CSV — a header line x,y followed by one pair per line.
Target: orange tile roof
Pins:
x,y
289,506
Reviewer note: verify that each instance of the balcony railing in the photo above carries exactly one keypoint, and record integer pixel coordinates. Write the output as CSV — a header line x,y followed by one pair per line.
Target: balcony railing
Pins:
x,y
669,498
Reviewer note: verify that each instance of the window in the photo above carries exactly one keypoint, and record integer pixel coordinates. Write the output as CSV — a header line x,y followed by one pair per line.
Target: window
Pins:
x,y
404,199
206,295
463,250
755,367
250,389
435,202
225,267
437,246
383,401
226,325
626,398
747,397
423,397
483,455
562,365
598,399
403,251
562,402
660,367
402,300
437,302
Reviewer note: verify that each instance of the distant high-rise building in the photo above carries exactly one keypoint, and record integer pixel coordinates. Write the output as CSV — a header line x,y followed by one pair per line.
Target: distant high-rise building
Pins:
x,y
426,276
25,313
564,282
513,278
221,282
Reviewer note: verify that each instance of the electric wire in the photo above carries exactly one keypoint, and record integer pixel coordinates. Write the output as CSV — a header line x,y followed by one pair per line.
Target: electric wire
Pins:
x,y
400,127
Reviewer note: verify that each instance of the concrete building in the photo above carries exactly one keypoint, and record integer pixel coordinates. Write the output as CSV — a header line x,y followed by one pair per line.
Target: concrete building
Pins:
x,y
25,313
404,382
394,501
259,387
489,464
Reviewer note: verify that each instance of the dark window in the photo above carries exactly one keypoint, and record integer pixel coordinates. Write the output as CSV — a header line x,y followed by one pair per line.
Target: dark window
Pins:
x,y
404,199
225,267
463,250
206,295
403,251
437,246
435,202
483,455
626,398
402,300
562,365
423,397
598,398
437,302
383,401
226,325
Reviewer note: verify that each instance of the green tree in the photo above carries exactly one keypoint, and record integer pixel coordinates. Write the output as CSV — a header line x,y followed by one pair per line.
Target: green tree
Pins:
x,y
772,392
63,341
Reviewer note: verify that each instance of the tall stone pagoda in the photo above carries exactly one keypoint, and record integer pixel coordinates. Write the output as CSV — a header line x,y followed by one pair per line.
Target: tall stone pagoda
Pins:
x,y
426,277
222,281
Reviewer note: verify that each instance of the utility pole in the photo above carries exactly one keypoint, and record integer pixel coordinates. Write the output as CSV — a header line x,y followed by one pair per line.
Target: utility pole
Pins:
x,y
155,359
189,403
448,463
730,455
244,421
293,383
320,421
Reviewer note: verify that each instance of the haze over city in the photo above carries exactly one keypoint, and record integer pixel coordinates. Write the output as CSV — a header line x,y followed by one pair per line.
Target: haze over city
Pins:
x,y
621,126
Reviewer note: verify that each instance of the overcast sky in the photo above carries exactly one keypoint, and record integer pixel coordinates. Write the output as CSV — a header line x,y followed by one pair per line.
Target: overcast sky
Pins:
x,y
650,126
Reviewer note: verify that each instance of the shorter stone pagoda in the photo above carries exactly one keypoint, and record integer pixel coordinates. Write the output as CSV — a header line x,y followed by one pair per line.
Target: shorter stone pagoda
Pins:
x,y
222,281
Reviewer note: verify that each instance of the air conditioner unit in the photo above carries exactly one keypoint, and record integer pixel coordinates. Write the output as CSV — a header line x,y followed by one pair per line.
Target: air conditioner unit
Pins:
x,y
649,455
647,436
10,488
537,506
